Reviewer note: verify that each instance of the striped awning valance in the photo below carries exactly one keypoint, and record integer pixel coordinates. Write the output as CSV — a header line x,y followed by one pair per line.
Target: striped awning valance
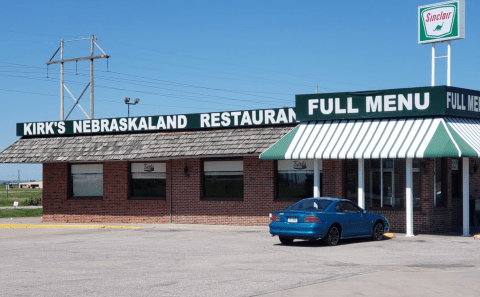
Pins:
x,y
381,138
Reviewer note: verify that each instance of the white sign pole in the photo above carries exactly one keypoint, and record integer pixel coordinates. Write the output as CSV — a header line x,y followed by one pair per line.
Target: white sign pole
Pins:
x,y
441,22
433,64
449,51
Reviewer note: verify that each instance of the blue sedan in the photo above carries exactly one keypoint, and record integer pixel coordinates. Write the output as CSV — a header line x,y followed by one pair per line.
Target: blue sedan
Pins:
x,y
330,219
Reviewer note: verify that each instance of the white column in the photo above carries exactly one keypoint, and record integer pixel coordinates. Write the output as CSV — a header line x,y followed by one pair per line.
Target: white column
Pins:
x,y
361,183
433,64
409,197
449,64
316,179
381,183
466,197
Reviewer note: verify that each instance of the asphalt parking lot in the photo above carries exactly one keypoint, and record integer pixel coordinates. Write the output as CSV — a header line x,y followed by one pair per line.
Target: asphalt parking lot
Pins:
x,y
198,260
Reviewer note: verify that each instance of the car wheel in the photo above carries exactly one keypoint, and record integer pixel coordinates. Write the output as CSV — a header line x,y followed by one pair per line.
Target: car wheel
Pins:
x,y
333,236
377,231
284,240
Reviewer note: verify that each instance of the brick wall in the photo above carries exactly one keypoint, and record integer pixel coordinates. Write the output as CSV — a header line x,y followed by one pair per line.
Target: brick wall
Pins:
x,y
333,172
55,190
259,190
187,205
113,208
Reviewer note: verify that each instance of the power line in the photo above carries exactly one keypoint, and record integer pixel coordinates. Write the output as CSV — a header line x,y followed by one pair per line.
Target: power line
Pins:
x,y
111,101
184,97
257,79
224,63
164,81
194,93
236,65
26,92
130,90
183,85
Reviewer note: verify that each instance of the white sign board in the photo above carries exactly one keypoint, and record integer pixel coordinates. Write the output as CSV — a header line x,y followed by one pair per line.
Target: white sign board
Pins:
x,y
442,21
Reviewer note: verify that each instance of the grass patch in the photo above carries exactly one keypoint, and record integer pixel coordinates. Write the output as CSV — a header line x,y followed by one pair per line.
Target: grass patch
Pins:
x,y
17,213
25,197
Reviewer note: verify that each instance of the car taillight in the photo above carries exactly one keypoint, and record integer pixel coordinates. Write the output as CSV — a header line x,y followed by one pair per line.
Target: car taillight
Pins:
x,y
274,218
311,219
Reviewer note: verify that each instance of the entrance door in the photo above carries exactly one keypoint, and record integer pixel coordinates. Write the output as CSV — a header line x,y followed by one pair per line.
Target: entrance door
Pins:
x,y
388,189
382,183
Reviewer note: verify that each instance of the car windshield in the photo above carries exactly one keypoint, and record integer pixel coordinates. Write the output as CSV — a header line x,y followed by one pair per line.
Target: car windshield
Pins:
x,y
310,205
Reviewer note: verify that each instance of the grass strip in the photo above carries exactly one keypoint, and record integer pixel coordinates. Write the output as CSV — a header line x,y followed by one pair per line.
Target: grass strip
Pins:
x,y
18,213
24,197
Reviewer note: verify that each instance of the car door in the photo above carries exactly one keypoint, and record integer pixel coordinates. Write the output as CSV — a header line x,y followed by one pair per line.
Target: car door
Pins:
x,y
345,220
358,222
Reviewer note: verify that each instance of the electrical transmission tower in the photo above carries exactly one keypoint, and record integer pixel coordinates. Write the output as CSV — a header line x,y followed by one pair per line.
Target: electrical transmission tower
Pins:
x,y
63,86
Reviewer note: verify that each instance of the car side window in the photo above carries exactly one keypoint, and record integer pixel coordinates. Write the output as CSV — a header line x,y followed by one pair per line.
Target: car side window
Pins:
x,y
312,205
338,208
350,207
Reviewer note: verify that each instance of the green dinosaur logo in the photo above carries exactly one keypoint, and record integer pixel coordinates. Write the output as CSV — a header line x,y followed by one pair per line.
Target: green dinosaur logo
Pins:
x,y
439,27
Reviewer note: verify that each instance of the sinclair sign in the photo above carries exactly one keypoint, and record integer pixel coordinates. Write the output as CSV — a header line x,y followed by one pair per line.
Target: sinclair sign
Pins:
x,y
441,21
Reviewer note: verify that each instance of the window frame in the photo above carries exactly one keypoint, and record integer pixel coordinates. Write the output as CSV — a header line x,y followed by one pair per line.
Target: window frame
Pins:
x,y
456,179
381,170
203,196
294,199
417,182
70,182
130,176
444,183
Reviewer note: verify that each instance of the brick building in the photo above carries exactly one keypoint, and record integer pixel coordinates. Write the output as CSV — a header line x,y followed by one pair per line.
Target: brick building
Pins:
x,y
409,154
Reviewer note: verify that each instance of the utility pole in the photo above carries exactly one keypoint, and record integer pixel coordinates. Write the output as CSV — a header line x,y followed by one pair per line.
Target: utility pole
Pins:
x,y
63,86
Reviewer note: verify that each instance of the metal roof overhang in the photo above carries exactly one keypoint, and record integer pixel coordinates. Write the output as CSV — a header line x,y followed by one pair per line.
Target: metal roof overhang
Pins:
x,y
379,138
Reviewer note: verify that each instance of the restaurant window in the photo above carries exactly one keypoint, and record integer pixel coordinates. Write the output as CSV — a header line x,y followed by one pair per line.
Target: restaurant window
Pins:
x,y
223,180
457,182
382,184
148,181
86,181
295,179
352,180
440,186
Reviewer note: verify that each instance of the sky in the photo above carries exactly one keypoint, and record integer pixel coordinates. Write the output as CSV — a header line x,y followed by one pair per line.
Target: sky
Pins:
x,y
184,56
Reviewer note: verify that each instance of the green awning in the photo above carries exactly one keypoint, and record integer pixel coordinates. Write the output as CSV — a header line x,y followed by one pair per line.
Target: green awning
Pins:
x,y
381,138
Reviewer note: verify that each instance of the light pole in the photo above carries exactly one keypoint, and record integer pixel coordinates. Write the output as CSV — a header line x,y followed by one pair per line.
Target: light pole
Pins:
x,y
127,100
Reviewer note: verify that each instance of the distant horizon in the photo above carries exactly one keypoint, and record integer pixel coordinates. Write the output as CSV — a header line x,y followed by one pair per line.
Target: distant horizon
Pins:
x,y
3,181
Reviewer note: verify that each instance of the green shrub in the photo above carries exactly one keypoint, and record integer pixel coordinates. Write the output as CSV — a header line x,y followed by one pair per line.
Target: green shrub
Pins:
x,y
33,201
